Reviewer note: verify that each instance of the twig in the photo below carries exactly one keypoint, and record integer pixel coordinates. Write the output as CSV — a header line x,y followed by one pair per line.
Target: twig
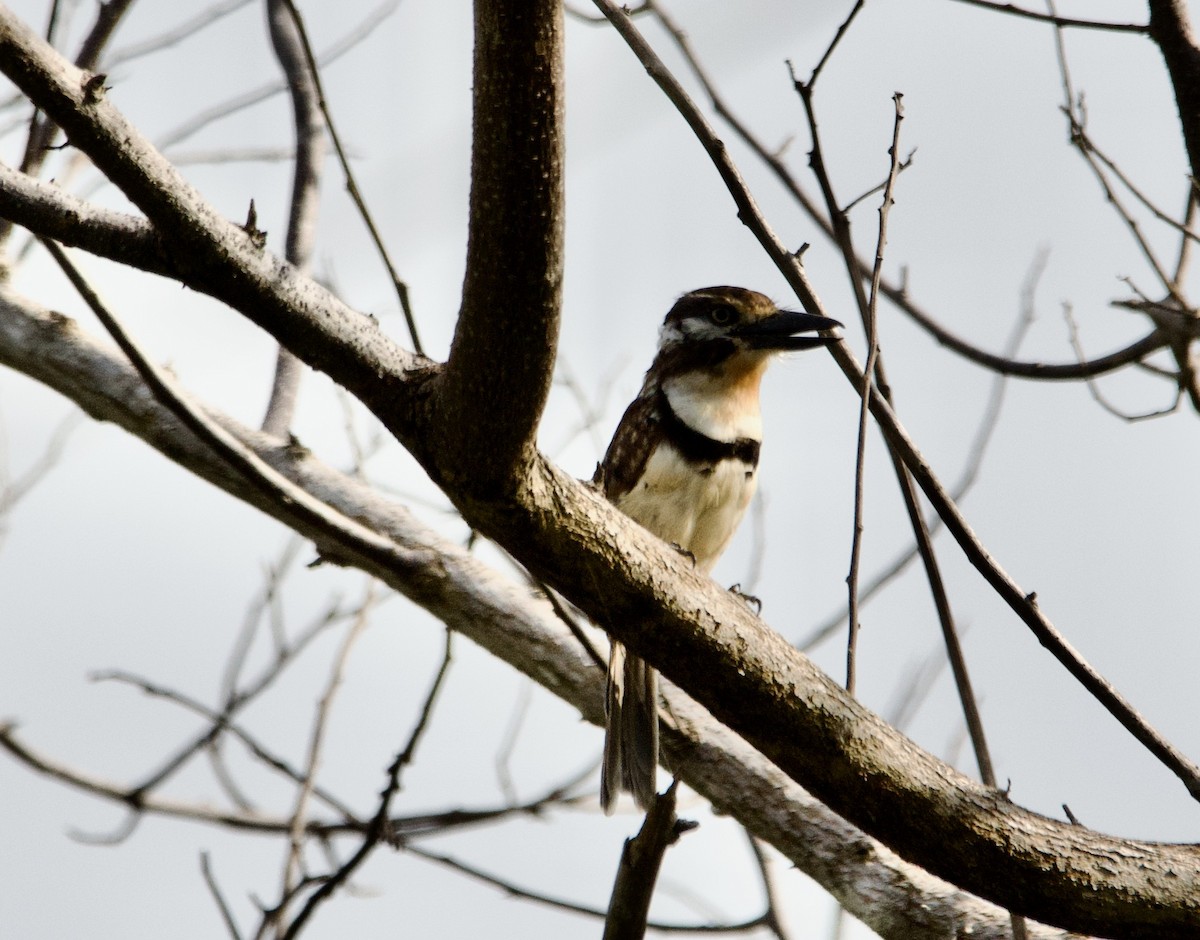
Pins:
x,y
988,422
296,834
220,723
871,317
1059,21
1094,388
262,604
213,889
874,369
1100,166
915,689
570,622
247,99
512,889
13,490
360,203
400,827
590,412
378,829
234,700
837,38
771,916
1187,243
509,742
298,506
600,20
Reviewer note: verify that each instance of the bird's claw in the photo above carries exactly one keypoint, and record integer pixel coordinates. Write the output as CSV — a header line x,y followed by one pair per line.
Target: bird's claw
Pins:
x,y
684,552
748,599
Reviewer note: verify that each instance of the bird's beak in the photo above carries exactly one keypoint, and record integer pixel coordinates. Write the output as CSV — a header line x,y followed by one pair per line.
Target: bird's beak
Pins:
x,y
778,331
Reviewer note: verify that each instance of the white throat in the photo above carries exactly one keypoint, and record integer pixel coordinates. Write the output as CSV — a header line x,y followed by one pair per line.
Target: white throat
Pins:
x,y
706,405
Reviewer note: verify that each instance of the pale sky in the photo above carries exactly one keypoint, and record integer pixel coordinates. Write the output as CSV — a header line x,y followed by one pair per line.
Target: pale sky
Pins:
x,y
120,560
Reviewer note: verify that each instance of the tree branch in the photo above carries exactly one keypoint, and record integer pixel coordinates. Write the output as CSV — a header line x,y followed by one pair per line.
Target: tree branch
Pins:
x,y
1171,30
502,359
47,210
1061,21
288,44
507,621
203,250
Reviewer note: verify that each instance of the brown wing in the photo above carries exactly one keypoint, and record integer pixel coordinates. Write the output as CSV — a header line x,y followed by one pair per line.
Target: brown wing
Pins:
x,y
629,449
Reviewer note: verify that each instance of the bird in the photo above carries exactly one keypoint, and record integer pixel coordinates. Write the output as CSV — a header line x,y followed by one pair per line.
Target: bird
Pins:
x,y
683,463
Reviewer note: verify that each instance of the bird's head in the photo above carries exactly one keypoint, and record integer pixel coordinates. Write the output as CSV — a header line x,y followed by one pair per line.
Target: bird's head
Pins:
x,y
730,320
716,342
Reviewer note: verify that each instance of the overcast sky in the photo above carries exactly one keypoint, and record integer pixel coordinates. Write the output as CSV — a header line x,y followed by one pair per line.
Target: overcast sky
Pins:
x,y
121,560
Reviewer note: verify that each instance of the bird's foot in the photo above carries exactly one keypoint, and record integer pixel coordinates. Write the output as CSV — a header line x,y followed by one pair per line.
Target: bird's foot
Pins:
x,y
748,599
684,552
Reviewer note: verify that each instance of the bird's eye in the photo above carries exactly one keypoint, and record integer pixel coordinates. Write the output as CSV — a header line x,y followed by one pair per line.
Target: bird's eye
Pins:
x,y
722,314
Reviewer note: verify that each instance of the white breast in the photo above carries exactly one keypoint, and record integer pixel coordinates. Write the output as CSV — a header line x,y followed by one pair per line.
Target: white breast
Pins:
x,y
697,508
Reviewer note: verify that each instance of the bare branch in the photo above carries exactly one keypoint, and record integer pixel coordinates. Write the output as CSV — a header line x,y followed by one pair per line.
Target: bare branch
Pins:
x,y
869,370
1060,21
833,44
502,358
988,423
299,505
874,370
296,833
637,873
46,210
42,130
247,99
313,70
136,795
512,889
1094,388
211,881
290,47
378,829
209,250
772,917
13,490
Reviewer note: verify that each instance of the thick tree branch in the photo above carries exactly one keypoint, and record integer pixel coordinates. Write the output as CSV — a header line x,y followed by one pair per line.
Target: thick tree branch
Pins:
x,y
1171,30
498,375
42,131
868,879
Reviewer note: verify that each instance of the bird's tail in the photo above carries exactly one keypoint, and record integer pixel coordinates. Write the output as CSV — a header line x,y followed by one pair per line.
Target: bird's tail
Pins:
x,y
631,730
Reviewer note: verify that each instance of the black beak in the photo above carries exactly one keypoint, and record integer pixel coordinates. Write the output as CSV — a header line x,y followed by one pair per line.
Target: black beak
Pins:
x,y
778,330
